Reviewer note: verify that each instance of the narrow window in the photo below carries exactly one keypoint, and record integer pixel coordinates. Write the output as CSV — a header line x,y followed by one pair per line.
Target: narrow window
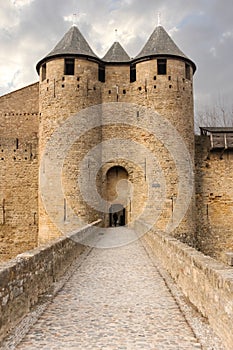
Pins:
x,y
102,74
133,73
43,72
69,66
187,71
162,66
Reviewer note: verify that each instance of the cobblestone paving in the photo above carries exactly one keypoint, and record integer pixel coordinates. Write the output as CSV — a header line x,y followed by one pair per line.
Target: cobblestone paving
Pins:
x,y
117,299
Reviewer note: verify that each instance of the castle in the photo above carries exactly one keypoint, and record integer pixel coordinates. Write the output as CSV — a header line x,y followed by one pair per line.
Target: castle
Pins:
x,y
96,137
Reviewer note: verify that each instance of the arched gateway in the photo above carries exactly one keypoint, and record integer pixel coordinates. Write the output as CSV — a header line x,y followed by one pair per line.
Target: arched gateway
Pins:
x,y
117,196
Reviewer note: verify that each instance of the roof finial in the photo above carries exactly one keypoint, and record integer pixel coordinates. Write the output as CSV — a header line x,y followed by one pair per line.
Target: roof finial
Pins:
x,y
116,35
75,19
159,19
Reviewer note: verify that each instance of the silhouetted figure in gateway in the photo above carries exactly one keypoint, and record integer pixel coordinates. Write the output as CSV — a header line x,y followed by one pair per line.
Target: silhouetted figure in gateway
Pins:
x,y
115,218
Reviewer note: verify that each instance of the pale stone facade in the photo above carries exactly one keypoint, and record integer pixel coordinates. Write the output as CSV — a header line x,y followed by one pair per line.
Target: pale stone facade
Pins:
x,y
145,105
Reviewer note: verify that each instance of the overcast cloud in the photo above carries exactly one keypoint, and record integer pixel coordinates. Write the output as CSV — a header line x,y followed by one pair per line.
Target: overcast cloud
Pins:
x,y
203,29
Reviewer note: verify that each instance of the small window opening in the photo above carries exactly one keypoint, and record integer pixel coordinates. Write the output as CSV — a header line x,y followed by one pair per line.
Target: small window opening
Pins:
x,y
162,66
124,92
109,92
63,78
43,72
187,71
140,88
154,86
17,143
78,79
169,77
102,74
170,86
63,86
133,73
69,66
155,77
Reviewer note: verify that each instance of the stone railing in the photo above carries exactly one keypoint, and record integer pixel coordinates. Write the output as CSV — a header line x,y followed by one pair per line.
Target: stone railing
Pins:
x,y
25,279
208,284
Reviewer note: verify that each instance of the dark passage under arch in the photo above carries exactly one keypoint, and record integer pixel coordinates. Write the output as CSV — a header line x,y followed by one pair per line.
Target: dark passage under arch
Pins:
x,y
117,215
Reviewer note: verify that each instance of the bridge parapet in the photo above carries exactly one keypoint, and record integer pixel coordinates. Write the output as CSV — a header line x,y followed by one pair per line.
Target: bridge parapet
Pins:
x,y
25,279
207,283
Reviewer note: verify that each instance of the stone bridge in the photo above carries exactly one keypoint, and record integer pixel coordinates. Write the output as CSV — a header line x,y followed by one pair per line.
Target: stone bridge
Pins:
x,y
152,293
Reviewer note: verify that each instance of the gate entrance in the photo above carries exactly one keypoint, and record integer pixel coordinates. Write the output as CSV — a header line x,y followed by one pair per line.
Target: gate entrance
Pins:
x,y
117,215
117,194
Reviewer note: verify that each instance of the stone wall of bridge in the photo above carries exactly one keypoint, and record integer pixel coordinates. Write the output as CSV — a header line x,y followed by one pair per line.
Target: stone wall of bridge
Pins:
x,y
27,278
206,283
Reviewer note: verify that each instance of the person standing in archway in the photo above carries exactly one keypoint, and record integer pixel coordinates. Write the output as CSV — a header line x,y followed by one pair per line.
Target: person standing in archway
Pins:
x,y
115,218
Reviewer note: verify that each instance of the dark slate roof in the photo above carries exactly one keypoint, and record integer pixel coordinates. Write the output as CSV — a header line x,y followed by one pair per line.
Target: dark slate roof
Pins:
x,y
217,129
72,43
160,43
116,54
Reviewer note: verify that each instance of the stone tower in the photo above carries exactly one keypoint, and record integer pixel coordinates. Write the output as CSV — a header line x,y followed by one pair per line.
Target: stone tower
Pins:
x,y
69,79
141,108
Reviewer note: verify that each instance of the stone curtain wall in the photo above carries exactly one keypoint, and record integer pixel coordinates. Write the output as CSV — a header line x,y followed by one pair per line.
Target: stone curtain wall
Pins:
x,y
25,100
208,284
214,198
24,280
19,171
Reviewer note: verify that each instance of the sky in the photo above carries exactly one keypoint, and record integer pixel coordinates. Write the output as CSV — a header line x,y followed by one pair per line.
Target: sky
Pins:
x,y
202,29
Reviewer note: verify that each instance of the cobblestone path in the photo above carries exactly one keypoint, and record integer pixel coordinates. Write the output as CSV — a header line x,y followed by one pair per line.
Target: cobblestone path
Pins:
x,y
117,299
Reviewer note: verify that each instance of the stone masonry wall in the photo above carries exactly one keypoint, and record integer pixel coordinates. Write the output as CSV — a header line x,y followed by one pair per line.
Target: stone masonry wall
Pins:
x,y
25,279
214,198
18,171
208,284
62,96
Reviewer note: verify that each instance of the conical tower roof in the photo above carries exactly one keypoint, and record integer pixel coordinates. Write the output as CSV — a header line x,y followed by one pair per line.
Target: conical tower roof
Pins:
x,y
116,54
72,43
161,44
